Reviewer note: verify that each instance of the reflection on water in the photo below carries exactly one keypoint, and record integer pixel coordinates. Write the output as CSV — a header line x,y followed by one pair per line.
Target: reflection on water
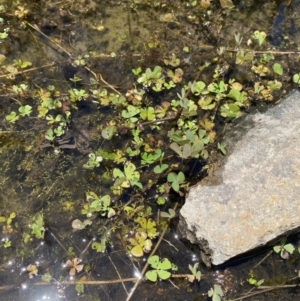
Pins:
x,y
39,176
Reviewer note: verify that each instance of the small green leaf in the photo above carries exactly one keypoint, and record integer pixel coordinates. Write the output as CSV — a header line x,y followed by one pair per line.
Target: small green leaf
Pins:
x,y
79,287
25,110
151,275
137,251
153,261
230,110
160,200
97,246
289,248
277,249
147,114
296,78
12,117
169,214
216,297
164,264
108,132
50,135
2,58
277,69
180,177
160,168
163,274
171,177
136,71
130,112
7,244
221,147
46,277
218,290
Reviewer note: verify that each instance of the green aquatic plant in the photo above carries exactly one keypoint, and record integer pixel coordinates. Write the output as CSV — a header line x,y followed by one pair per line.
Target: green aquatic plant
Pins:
x,y
81,60
130,113
160,168
154,79
189,144
79,225
296,78
140,244
108,132
172,61
97,204
50,135
147,113
94,161
277,68
260,36
32,270
196,274
176,180
221,147
218,88
216,293
160,267
130,177
230,110
243,56
37,227
12,117
99,246
150,158
160,200
7,218
253,281
148,226
284,249
137,71
77,95
46,277
170,214
7,243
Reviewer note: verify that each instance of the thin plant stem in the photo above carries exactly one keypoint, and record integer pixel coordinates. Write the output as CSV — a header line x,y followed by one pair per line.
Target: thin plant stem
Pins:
x,y
118,274
263,259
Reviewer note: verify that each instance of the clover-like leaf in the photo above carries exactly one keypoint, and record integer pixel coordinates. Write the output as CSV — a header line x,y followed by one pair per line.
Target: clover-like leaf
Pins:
x,y
147,113
147,226
32,269
160,168
75,266
130,112
12,117
25,110
140,244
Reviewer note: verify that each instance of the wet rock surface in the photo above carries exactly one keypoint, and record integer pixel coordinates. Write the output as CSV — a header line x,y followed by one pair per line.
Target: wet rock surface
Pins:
x,y
253,197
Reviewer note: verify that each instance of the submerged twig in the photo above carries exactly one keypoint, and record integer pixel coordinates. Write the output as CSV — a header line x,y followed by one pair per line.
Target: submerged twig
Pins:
x,y
263,259
118,275
58,241
265,288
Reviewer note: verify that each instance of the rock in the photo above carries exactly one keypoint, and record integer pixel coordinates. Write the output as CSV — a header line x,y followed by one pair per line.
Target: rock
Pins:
x,y
253,198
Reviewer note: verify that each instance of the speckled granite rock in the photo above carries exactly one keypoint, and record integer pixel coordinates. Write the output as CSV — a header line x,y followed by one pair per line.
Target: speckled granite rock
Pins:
x,y
255,196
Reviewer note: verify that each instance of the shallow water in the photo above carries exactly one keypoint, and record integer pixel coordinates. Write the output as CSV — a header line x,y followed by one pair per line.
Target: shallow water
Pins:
x,y
39,177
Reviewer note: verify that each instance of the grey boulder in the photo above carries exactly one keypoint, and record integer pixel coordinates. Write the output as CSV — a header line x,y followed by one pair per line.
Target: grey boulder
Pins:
x,y
254,196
